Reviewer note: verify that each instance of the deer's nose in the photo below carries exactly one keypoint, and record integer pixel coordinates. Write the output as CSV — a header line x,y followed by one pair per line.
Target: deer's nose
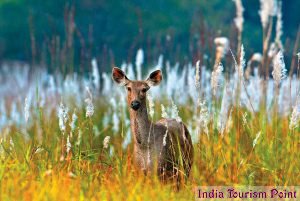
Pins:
x,y
135,105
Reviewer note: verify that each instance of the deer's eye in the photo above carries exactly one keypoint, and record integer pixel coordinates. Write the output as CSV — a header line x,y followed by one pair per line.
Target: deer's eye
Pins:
x,y
144,90
129,89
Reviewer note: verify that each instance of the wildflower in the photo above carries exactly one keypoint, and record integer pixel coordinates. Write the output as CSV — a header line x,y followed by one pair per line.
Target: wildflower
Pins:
x,y
256,138
151,105
90,106
106,142
215,77
26,109
62,117
279,70
239,20
197,76
295,117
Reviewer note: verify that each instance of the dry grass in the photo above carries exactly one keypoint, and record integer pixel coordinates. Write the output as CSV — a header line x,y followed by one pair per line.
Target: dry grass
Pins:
x,y
90,172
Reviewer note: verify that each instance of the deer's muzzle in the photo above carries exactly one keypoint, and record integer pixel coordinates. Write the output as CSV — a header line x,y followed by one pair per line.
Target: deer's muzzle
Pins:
x,y
135,105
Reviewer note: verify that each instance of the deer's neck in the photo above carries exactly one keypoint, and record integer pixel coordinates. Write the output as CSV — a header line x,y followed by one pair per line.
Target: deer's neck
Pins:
x,y
140,125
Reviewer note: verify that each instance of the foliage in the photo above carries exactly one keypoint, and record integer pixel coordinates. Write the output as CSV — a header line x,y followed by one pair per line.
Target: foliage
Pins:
x,y
146,24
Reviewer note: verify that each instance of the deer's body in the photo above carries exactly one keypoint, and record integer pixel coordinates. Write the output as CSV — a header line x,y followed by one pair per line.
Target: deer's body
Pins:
x,y
165,144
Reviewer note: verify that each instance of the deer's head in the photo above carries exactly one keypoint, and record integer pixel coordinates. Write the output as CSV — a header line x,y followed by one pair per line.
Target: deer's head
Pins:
x,y
136,89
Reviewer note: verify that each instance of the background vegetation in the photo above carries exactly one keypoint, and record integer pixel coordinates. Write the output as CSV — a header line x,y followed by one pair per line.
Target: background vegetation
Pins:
x,y
34,31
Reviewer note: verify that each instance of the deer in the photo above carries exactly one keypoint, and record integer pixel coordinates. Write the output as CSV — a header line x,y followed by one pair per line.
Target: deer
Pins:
x,y
166,143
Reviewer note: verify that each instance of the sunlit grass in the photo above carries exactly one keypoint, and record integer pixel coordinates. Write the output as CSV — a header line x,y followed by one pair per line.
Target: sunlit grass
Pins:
x,y
32,169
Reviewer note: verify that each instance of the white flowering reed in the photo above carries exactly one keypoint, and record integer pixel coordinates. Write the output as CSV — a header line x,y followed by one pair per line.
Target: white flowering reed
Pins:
x,y
175,112
239,19
163,111
151,105
89,102
197,76
138,62
26,110
216,77
71,175
106,142
68,145
223,115
165,136
73,121
279,27
222,41
2,152
95,74
295,117
38,150
242,65
222,47
79,138
148,158
279,70
62,117
203,119
164,115
245,119
11,143
268,8
256,139
256,57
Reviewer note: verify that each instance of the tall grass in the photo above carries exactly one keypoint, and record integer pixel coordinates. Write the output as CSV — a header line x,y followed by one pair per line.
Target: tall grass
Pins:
x,y
68,137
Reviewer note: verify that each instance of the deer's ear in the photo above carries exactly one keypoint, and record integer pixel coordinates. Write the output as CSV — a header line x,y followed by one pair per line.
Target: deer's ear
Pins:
x,y
154,78
119,76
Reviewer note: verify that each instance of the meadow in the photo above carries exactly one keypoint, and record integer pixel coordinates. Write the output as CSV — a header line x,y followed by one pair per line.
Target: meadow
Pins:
x,y
68,137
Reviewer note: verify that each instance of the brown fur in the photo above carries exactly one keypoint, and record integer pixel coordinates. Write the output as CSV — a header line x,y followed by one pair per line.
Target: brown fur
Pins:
x,y
174,160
